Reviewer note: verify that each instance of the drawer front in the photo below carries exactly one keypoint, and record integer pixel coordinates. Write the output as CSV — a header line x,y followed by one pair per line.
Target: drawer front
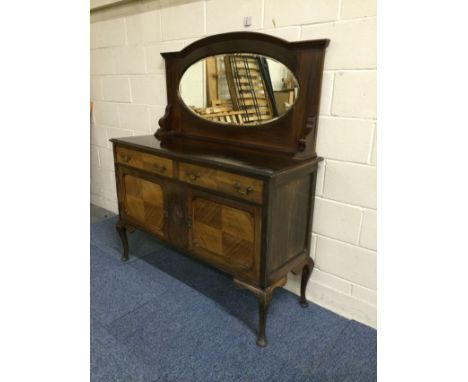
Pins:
x,y
229,183
144,161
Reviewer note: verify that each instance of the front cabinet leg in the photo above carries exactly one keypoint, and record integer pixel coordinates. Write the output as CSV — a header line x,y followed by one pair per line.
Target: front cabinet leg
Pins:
x,y
264,298
306,272
123,236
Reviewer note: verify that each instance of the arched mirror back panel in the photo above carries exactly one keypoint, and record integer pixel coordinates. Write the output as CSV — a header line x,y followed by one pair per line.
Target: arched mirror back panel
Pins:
x,y
245,89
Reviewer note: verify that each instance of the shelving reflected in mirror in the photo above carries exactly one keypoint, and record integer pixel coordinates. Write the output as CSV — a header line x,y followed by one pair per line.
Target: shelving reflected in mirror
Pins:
x,y
241,89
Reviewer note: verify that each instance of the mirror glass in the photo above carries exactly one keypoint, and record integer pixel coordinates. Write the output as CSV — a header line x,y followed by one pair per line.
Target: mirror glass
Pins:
x,y
239,89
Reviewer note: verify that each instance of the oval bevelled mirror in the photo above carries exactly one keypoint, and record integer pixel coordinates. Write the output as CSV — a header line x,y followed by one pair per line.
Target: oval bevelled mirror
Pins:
x,y
239,89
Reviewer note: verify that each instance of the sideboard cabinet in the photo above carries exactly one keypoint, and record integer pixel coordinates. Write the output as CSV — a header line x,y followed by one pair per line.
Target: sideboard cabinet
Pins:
x,y
229,178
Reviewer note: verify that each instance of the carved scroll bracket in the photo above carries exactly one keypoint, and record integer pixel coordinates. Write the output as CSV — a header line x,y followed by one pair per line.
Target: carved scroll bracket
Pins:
x,y
309,131
163,123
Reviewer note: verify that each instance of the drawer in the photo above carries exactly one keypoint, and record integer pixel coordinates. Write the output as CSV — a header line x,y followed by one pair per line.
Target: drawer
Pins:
x,y
229,183
144,161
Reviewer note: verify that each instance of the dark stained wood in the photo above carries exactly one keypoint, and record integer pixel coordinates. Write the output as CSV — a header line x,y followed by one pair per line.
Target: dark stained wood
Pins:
x,y
120,227
234,184
216,155
264,297
306,272
178,215
239,199
225,232
148,204
288,224
292,133
142,200
138,159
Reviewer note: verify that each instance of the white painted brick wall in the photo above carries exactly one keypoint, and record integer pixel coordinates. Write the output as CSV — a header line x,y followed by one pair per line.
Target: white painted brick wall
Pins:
x,y
353,43
128,90
183,20
280,13
351,183
116,89
368,238
347,261
154,61
345,139
351,9
99,136
287,33
106,113
130,60
144,28
134,117
337,220
149,90
108,33
354,94
233,11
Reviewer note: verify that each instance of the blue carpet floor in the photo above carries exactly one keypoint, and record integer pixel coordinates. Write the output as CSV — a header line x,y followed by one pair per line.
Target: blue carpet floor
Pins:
x,y
165,317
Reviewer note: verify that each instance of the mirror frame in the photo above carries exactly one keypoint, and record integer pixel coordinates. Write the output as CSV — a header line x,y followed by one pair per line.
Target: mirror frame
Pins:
x,y
292,133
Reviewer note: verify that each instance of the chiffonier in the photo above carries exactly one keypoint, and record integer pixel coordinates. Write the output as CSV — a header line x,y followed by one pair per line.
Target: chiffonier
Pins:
x,y
229,177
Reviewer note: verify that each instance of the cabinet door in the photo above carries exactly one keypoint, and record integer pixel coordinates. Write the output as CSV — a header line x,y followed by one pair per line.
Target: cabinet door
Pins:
x,y
144,201
226,233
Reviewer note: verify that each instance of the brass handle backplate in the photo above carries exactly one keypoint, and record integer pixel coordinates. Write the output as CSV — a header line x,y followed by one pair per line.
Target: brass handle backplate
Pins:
x,y
177,214
191,176
246,191
158,167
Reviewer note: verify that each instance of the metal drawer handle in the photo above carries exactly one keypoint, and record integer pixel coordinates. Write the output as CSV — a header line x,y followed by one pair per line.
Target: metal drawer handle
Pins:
x,y
192,177
158,167
238,188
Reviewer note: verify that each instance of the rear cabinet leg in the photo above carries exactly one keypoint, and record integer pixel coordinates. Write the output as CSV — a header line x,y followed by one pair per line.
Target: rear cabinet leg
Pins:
x,y
306,272
120,227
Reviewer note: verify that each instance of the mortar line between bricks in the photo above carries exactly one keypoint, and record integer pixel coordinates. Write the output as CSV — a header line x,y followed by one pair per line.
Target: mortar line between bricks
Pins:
x,y
344,242
346,204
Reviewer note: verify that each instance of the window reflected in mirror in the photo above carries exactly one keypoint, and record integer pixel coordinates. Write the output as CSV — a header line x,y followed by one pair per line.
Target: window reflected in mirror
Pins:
x,y
239,89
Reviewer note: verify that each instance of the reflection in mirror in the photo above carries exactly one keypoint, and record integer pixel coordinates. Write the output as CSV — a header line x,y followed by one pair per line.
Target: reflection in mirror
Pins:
x,y
240,89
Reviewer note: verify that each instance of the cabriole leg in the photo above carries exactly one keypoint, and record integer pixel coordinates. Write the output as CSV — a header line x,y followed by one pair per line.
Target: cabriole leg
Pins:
x,y
264,298
123,236
306,271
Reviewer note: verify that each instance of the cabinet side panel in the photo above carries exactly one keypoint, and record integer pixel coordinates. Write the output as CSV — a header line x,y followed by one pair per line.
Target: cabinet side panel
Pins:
x,y
289,221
